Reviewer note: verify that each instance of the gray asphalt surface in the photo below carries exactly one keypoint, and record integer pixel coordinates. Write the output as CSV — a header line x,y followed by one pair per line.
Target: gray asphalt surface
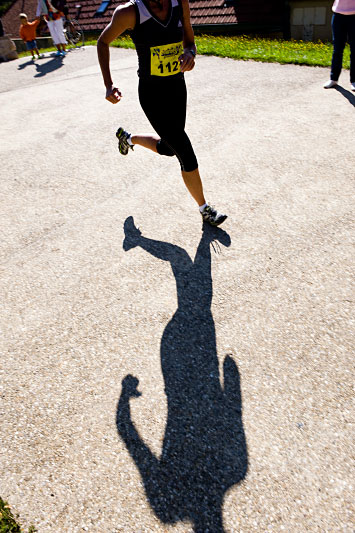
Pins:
x,y
244,422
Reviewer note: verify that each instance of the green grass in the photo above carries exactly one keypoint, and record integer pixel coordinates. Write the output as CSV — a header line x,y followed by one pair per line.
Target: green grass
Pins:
x,y
261,49
8,523
244,47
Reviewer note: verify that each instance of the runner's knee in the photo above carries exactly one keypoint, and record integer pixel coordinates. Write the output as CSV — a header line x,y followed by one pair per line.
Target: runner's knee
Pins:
x,y
164,149
180,146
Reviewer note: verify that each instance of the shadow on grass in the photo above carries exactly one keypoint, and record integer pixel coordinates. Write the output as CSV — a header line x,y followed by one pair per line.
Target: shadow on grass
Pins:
x,y
204,449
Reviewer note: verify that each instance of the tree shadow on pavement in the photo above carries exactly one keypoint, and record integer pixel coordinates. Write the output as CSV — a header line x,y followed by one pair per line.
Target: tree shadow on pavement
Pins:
x,y
347,94
204,449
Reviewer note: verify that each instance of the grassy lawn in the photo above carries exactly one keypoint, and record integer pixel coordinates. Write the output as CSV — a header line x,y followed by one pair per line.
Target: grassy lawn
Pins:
x,y
8,523
270,50
260,49
245,48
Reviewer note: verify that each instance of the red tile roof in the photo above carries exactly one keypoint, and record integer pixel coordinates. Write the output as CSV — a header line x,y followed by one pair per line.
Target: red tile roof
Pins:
x,y
203,12
257,12
88,9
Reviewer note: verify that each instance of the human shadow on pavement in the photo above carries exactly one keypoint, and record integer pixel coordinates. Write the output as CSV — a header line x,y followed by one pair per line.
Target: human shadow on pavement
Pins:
x,y
27,64
51,65
347,94
204,448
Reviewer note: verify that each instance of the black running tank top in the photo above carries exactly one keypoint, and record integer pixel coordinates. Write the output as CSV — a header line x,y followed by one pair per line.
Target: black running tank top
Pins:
x,y
158,43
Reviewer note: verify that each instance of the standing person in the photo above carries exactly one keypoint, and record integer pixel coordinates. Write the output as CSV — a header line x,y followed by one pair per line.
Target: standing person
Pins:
x,y
28,34
54,20
164,40
61,5
343,29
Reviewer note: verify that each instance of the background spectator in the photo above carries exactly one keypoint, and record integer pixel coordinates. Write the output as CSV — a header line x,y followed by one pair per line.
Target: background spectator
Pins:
x,y
28,34
343,28
55,25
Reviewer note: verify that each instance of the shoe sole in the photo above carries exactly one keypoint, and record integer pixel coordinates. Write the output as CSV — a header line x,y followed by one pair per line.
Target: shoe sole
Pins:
x,y
122,149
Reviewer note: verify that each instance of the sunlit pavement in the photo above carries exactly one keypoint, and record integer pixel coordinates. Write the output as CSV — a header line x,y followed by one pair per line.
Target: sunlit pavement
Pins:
x,y
243,422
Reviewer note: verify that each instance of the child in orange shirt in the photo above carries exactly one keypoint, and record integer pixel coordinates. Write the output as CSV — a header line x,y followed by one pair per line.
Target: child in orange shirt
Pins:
x,y
28,34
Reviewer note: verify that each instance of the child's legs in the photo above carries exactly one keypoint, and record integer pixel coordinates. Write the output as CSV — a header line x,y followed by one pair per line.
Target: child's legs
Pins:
x,y
30,45
35,48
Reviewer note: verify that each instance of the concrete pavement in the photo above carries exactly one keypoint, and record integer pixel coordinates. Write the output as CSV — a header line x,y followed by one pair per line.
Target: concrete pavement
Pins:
x,y
244,423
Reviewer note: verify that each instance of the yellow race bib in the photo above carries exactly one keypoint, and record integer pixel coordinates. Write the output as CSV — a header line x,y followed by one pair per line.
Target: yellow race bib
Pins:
x,y
164,60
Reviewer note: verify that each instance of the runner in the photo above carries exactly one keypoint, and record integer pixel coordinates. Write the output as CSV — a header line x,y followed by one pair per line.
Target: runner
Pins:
x,y
164,40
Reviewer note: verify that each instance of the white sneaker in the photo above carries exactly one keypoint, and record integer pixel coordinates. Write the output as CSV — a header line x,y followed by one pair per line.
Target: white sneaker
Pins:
x,y
352,85
330,84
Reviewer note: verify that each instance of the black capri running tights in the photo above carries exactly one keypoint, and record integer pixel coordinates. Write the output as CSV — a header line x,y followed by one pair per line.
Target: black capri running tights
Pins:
x,y
164,103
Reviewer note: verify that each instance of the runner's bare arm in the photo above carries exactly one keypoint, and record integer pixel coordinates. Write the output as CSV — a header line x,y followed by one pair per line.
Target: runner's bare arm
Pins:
x,y
187,60
124,18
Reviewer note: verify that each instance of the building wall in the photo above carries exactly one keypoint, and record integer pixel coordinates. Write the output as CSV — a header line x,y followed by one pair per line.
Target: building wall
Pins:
x,y
11,21
311,20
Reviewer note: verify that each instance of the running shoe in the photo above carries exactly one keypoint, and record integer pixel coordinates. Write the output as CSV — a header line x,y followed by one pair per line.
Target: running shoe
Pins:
x,y
330,84
211,216
123,144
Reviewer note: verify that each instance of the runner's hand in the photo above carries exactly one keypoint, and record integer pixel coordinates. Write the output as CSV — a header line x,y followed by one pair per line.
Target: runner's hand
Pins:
x,y
113,95
187,61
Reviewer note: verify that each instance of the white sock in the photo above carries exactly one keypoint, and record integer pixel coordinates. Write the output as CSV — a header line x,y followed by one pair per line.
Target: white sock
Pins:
x,y
202,207
129,140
